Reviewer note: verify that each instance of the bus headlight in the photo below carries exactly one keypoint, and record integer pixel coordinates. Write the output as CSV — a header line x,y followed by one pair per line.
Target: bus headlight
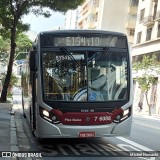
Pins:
x,y
125,112
45,113
122,116
48,116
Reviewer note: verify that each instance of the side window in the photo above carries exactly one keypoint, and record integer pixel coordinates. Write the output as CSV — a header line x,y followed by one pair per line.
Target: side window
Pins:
x,y
158,31
142,15
149,33
139,37
131,32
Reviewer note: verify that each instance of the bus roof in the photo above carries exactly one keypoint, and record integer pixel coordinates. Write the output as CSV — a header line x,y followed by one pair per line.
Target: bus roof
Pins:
x,y
82,32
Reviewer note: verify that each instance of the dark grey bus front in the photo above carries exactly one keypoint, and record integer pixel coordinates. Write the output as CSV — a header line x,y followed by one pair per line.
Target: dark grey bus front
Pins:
x,y
83,85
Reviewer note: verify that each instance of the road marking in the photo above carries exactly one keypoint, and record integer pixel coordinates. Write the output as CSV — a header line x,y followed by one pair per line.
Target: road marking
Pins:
x,y
143,148
145,125
135,144
60,147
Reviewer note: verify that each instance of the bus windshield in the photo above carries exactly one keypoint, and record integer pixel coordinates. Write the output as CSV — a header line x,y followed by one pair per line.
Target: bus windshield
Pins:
x,y
81,75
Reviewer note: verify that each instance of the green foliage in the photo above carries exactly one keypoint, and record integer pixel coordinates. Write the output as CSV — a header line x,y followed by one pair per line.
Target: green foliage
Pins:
x,y
148,67
23,45
11,9
12,12
147,63
9,95
4,50
145,82
4,44
13,81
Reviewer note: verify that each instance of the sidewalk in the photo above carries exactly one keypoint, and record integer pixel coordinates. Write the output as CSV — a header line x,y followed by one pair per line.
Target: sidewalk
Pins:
x,y
5,126
8,137
146,115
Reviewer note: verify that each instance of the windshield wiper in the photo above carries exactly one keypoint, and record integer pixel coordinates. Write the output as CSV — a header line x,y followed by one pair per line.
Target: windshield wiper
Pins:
x,y
98,54
71,56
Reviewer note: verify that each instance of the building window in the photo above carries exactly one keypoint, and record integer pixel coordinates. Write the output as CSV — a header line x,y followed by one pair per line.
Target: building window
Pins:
x,y
148,35
134,2
135,59
155,10
158,56
139,37
131,32
158,33
142,15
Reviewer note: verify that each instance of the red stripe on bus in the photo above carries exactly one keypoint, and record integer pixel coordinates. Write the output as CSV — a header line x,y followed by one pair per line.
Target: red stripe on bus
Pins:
x,y
91,118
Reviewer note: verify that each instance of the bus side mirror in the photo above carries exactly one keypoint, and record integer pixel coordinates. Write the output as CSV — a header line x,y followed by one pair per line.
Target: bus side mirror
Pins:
x,y
32,60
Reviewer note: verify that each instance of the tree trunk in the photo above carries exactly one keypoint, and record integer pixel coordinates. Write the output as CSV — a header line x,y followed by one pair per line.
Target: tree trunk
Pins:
x,y
10,65
149,106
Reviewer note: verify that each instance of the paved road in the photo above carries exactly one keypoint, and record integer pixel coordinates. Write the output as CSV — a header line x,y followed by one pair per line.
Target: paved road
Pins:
x,y
146,132
144,137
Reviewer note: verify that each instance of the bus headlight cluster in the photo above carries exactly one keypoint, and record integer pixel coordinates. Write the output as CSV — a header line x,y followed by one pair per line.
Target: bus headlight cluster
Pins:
x,y
48,116
121,117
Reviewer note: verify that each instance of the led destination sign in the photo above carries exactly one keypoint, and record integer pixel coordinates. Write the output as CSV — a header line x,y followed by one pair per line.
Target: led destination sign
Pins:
x,y
108,40
77,41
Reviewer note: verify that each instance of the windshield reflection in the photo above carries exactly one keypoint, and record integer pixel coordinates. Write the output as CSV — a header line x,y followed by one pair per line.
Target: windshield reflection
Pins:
x,y
84,76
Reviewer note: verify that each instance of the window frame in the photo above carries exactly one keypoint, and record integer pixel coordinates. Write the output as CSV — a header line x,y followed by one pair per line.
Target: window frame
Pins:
x,y
149,34
139,36
142,13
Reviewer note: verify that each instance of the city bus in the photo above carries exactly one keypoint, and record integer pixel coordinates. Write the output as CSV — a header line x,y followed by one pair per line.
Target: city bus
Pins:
x,y
78,84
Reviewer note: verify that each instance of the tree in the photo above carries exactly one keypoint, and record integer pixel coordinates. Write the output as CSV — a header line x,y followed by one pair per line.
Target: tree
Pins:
x,y
148,69
23,45
4,49
11,14
12,83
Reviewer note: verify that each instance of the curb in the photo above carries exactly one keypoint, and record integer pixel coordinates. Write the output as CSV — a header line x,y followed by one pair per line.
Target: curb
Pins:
x,y
13,134
15,146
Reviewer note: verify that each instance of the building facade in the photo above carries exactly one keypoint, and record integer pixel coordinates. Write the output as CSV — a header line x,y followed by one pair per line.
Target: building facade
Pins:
x,y
106,15
71,18
109,15
147,42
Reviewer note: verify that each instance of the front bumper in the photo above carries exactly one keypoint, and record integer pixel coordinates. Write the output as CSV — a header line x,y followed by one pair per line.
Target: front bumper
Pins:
x,y
49,130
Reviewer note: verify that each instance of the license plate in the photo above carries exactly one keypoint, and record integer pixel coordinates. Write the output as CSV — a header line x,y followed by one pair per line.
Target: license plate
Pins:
x,y
87,134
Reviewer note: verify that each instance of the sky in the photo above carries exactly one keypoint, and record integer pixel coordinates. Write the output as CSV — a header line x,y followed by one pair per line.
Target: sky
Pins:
x,y
40,23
